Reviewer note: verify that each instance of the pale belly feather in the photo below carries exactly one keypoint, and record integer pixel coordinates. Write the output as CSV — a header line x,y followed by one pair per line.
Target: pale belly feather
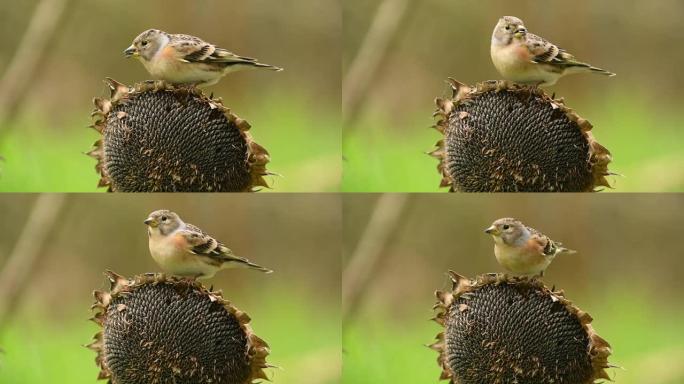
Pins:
x,y
513,67
522,263
179,72
178,261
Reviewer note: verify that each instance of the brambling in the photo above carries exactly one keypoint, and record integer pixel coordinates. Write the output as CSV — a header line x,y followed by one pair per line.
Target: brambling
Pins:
x,y
185,59
183,249
526,58
521,249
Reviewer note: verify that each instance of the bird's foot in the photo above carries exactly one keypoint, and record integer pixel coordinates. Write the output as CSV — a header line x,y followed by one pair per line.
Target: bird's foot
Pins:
x,y
187,85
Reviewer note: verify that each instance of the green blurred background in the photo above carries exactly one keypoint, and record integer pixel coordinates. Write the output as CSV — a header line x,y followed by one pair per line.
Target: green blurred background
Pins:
x,y
636,115
295,114
295,309
627,274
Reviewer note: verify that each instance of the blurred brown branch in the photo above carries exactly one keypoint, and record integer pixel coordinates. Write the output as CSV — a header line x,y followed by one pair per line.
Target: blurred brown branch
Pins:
x,y
364,262
366,64
32,49
20,264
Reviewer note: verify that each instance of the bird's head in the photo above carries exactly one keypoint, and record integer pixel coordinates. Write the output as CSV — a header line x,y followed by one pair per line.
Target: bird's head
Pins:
x,y
163,221
506,231
507,28
147,44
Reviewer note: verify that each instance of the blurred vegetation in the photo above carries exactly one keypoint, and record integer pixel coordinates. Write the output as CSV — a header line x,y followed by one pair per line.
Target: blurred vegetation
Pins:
x,y
295,309
294,114
636,115
626,274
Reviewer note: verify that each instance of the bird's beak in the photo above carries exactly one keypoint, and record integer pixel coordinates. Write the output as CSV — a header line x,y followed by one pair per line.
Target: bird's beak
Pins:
x,y
131,51
491,231
151,222
521,31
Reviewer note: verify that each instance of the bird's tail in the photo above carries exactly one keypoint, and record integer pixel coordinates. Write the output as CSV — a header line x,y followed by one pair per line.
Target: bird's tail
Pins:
x,y
248,64
240,262
565,251
266,66
601,71
578,67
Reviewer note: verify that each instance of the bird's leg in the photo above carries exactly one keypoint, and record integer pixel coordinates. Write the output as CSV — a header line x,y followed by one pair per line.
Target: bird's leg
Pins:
x,y
192,278
159,85
191,85
185,86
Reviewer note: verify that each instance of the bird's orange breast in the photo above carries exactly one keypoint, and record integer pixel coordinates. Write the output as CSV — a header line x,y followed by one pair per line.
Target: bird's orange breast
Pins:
x,y
179,241
535,245
168,52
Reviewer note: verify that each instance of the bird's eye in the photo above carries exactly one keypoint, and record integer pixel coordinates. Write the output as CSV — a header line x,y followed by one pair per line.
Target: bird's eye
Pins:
x,y
506,226
508,27
163,218
143,43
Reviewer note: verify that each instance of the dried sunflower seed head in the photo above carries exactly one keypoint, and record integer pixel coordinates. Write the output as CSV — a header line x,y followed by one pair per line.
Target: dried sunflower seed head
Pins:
x,y
503,137
500,329
158,329
161,138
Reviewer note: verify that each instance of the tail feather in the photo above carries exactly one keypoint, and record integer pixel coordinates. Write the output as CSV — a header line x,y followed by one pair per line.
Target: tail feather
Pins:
x,y
565,251
258,267
267,66
601,71
240,262
583,67
255,64
574,66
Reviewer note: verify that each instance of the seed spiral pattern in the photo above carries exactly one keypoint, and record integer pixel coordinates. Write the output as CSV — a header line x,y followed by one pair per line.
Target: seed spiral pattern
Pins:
x,y
515,334
173,141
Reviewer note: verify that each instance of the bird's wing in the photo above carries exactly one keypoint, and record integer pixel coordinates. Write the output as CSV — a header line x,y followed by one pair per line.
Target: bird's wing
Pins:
x,y
221,55
542,50
201,244
188,48
541,243
547,246
204,245
191,49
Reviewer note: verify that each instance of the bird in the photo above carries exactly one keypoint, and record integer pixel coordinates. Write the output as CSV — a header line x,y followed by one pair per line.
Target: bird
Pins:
x,y
521,249
185,59
526,58
183,249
